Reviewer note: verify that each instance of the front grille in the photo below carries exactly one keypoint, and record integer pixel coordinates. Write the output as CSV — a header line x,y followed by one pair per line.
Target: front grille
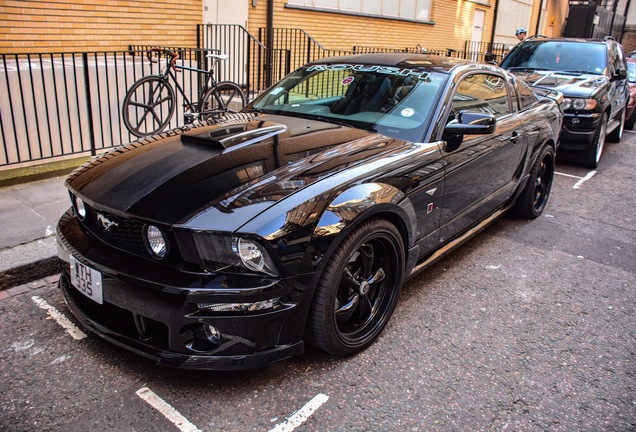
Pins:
x,y
117,231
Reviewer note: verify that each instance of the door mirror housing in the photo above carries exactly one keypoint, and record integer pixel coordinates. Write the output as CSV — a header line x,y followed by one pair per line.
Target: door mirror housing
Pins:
x,y
467,123
620,74
471,123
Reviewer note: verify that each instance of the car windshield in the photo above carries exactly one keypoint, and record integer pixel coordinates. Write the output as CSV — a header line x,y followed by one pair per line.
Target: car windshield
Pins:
x,y
396,102
577,57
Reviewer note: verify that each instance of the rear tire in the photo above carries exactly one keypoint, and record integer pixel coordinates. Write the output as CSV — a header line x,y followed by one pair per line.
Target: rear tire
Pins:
x,y
534,197
591,156
148,106
225,97
358,289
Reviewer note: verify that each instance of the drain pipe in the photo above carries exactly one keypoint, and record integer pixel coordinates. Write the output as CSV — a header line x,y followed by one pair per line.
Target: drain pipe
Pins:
x,y
494,25
538,29
270,43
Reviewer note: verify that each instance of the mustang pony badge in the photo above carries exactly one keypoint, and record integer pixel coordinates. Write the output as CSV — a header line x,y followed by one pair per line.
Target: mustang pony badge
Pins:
x,y
106,223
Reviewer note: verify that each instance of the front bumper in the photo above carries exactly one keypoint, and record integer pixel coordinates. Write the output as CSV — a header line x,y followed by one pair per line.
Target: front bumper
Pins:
x,y
579,130
157,311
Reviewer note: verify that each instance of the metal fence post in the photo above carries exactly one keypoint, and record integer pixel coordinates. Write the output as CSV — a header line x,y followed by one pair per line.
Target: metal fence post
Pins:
x,y
89,104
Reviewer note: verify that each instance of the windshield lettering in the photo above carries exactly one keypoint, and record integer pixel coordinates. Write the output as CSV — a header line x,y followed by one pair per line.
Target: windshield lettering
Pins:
x,y
387,70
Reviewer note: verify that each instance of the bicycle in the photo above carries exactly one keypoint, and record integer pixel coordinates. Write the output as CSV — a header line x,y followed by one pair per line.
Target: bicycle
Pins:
x,y
151,101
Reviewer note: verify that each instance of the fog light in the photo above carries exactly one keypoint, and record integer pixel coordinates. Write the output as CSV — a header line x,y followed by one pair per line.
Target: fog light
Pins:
x,y
211,334
239,307
156,241
80,208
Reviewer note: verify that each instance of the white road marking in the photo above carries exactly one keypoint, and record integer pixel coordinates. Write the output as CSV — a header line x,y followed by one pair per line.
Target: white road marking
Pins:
x,y
584,179
300,416
166,409
581,179
567,175
71,328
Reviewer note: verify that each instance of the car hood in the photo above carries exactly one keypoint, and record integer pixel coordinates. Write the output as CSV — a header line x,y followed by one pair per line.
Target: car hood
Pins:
x,y
233,170
569,83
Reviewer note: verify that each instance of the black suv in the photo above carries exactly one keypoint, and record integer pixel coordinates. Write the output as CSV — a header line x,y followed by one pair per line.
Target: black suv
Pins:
x,y
592,75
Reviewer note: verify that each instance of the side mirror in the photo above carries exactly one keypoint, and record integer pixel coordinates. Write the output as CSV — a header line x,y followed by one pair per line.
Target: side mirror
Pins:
x,y
471,123
490,58
620,74
467,123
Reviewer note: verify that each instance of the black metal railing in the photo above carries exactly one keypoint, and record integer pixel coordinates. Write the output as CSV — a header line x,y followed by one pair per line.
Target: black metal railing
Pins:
x,y
251,64
67,104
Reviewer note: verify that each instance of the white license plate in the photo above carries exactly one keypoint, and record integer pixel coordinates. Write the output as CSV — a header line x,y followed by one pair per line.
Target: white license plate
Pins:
x,y
87,280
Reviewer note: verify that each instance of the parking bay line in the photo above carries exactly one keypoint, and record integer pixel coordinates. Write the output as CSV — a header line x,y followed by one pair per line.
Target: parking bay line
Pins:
x,y
581,179
300,416
71,328
175,417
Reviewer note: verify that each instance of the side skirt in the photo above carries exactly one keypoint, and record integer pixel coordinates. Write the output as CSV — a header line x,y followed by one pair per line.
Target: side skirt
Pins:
x,y
443,251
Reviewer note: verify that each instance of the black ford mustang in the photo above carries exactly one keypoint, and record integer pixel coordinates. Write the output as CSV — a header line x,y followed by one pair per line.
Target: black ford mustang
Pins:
x,y
230,245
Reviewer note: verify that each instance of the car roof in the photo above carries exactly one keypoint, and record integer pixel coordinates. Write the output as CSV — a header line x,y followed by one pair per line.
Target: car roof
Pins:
x,y
569,39
403,60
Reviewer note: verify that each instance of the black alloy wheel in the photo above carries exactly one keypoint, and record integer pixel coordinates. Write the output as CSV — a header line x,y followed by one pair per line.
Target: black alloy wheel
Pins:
x,y
534,197
358,289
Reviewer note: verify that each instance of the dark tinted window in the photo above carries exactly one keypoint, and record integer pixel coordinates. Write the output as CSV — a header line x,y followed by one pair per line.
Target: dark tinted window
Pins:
x,y
586,57
525,94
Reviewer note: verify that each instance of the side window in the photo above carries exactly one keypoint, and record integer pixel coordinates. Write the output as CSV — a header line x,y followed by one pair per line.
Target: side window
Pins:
x,y
526,95
482,92
620,58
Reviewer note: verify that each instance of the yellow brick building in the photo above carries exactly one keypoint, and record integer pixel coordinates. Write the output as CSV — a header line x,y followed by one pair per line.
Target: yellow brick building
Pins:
x,y
110,25
450,26
95,25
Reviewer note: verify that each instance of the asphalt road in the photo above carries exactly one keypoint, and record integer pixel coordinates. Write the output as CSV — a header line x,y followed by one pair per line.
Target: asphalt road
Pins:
x,y
530,326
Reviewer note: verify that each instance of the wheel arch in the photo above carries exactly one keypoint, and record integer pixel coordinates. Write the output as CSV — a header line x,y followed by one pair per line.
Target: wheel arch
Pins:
x,y
359,204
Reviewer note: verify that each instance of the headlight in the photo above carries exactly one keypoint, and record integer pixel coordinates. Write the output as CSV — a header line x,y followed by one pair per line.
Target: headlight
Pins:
x,y
219,252
579,104
155,241
80,208
252,254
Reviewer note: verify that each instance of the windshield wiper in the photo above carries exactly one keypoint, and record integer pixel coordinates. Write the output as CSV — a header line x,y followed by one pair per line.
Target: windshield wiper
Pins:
x,y
327,120
528,68
580,72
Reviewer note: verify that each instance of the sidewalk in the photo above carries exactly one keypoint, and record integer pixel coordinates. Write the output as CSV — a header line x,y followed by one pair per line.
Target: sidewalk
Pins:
x,y
28,216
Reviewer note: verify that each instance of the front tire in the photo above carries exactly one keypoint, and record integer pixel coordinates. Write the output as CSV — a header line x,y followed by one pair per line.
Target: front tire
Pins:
x,y
148,106
534,197
617,133
358,289
591,156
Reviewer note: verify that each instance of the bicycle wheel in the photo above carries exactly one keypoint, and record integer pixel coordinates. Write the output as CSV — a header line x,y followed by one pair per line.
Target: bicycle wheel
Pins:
x,y
224,97
148,106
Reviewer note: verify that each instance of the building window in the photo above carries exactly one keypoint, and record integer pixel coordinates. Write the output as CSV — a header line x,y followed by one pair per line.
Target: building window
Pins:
x,y
412,10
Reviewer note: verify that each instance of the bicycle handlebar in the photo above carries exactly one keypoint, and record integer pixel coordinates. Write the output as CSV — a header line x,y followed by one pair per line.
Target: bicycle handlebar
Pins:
x,y
173,54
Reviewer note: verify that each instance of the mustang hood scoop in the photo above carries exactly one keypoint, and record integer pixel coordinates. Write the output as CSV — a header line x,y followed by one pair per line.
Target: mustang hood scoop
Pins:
x,y
233,137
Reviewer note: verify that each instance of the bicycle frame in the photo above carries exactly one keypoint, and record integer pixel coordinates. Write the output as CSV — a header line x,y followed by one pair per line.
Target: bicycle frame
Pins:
x,y
207,83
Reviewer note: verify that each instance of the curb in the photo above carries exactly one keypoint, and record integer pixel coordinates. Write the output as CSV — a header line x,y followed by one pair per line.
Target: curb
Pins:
x,y
25,288
29,272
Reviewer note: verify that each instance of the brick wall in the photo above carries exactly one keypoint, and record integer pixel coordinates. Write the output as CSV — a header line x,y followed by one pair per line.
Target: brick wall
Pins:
x,y
96,25
453,25
629,39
